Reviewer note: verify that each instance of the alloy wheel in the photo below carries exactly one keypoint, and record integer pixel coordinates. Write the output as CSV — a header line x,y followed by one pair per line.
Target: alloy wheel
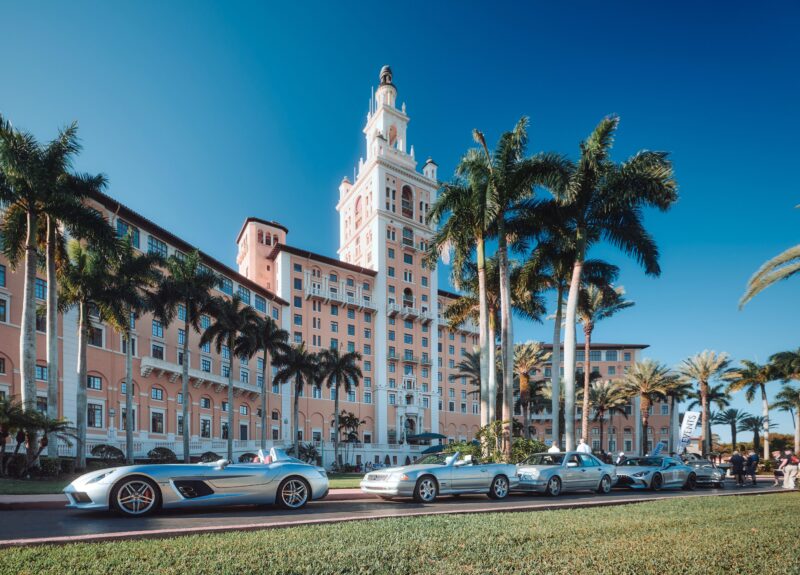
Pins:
x,y
294,493
136,497
426,490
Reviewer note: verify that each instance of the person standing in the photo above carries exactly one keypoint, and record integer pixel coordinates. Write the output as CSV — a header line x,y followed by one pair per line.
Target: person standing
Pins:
x,y
554,448
751,466
620,458
789,463
583,447
737,467
777,472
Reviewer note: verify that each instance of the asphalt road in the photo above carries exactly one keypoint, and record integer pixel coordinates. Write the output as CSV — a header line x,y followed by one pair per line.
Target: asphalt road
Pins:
x,y
65,525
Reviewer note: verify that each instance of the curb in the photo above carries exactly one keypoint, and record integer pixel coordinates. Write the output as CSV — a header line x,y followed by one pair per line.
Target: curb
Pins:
x,y
183,532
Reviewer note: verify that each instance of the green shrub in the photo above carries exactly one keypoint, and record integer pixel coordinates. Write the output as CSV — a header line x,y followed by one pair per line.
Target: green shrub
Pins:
x,y
67,465
108,453
162,455
523,448
210,457
49,467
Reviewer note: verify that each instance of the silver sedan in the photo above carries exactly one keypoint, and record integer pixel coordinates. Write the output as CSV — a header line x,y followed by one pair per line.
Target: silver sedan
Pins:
x,y
554,473
137,490
441,474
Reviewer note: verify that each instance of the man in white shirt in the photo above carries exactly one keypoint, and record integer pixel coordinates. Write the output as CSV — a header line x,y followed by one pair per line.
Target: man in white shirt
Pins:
x,y
554,448
583,447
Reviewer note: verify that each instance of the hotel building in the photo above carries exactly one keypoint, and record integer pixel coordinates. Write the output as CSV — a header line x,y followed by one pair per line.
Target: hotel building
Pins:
x,y
375,297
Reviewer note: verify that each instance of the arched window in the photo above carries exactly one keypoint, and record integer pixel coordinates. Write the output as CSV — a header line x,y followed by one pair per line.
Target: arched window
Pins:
x,y
260,236
275,240
358,212
408,237
267,239
408,298
392,135
407,202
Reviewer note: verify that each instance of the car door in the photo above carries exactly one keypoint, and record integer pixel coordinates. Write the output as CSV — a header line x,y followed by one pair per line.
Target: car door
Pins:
x,y
468,475
671,472
572,472
235,479
592,471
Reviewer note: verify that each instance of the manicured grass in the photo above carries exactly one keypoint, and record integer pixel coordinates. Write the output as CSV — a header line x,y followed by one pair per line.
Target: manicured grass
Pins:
x,y
709,535
344,480
34,486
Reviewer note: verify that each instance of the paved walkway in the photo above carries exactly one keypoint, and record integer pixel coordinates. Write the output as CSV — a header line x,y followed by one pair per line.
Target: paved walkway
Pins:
x,y
59,526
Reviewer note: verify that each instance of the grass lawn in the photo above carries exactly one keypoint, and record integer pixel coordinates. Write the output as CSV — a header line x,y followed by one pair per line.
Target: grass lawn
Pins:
x,y
34,486
344,480
722,535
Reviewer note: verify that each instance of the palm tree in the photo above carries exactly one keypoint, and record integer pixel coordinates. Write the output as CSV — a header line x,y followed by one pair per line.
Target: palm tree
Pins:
x,y
264,335
528,356
12,421
702,369
470,367
301,367
718,396
605,202
732,417
133,276
595,304
184,293
755,424
787,364
230,320
460,213
788,399
753,378
677,393
650,381
604,397
339,371
512,179
85,282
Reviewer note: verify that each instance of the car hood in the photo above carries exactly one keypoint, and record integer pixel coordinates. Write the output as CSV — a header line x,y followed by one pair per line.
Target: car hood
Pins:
x,y
406,469
631,469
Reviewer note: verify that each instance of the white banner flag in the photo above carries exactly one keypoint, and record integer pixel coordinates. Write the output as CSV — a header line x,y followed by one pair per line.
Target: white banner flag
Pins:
x,y
690,419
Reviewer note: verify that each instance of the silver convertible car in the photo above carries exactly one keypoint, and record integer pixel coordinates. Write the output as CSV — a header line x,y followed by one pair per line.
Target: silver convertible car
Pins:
x,y
137,490
441,474
656,472
554,473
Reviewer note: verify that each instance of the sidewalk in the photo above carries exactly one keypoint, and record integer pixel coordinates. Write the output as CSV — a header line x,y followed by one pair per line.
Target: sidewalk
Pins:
x,y
59,500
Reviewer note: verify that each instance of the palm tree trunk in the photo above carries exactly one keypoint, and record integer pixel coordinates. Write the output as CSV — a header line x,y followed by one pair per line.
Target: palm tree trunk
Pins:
x,y
296,416
80,417
264,388
765,413
797,431
506,342
601,414
335,423
644,408
733,435
492,387
27,343
52,334
705,409
555,368
185,386
569,352
230,397
483,335
524,402
587,332
129,454
756,439
674,424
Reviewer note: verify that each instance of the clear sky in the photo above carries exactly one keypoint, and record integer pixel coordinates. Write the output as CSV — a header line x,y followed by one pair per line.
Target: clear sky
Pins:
x,y
204,113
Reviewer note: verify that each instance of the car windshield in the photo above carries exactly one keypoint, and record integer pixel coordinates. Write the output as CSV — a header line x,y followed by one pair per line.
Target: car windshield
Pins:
x,y
644,462
434,459
545,459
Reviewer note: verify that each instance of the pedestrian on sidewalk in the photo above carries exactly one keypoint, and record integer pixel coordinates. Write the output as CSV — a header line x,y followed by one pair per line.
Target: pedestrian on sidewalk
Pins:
x,y
737,467
777,472
751,465
583,447
789,463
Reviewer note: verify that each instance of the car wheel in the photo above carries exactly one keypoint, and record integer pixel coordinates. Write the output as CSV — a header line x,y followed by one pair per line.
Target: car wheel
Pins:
x,y
135,496
657,482
293,493
426,490
499,487
553,487
691,482
604,488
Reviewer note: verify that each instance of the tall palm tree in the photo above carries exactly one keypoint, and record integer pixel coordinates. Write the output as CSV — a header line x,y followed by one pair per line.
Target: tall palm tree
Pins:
x,y
12,421
605,202
755,424
230,320
677,393
299,366
702,369
649,380
528,356
595,304
788,399
753,378
460,214
787,363
85,282
339,372
184,293
264,335
718,396
470,367
133,277
512,179
732,417
604,397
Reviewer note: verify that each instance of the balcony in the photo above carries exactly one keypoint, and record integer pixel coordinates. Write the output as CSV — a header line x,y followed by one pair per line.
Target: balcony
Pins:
x,y
407,311
410,359
337,292
425,360
197,378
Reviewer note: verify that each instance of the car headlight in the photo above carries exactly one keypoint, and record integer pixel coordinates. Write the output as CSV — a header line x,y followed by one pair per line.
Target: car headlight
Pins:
x,y
323,473
398,477
641,474
101,476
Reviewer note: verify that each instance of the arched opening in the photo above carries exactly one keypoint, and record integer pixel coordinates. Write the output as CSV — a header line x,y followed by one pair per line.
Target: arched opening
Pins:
x,y
407,202
392,135
408,298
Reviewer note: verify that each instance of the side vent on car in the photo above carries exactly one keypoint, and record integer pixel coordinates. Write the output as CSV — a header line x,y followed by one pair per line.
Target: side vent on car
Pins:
x,y
193,488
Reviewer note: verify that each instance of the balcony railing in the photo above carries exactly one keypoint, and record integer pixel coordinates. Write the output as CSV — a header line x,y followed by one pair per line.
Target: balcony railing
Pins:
x,y
197,377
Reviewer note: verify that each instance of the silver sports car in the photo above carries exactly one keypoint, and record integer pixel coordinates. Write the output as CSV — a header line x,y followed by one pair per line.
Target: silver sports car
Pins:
x,y
441,474
137,490
707,472
655,472
554,473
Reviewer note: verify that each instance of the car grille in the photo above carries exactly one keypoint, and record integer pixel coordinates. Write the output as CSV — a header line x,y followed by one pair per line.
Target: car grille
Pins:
x,y
81,497
377,476
624,480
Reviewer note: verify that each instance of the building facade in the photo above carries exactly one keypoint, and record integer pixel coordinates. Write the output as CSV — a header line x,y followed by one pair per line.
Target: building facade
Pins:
x,y
377,298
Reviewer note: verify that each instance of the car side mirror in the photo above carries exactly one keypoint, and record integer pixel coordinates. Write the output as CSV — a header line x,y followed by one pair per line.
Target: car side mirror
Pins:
x,y
572,464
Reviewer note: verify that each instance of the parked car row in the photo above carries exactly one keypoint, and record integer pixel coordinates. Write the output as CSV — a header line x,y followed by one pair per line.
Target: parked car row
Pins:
x,y
278,479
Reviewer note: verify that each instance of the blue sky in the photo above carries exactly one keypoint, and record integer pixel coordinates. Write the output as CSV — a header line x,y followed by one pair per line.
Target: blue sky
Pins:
x,y
203,113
